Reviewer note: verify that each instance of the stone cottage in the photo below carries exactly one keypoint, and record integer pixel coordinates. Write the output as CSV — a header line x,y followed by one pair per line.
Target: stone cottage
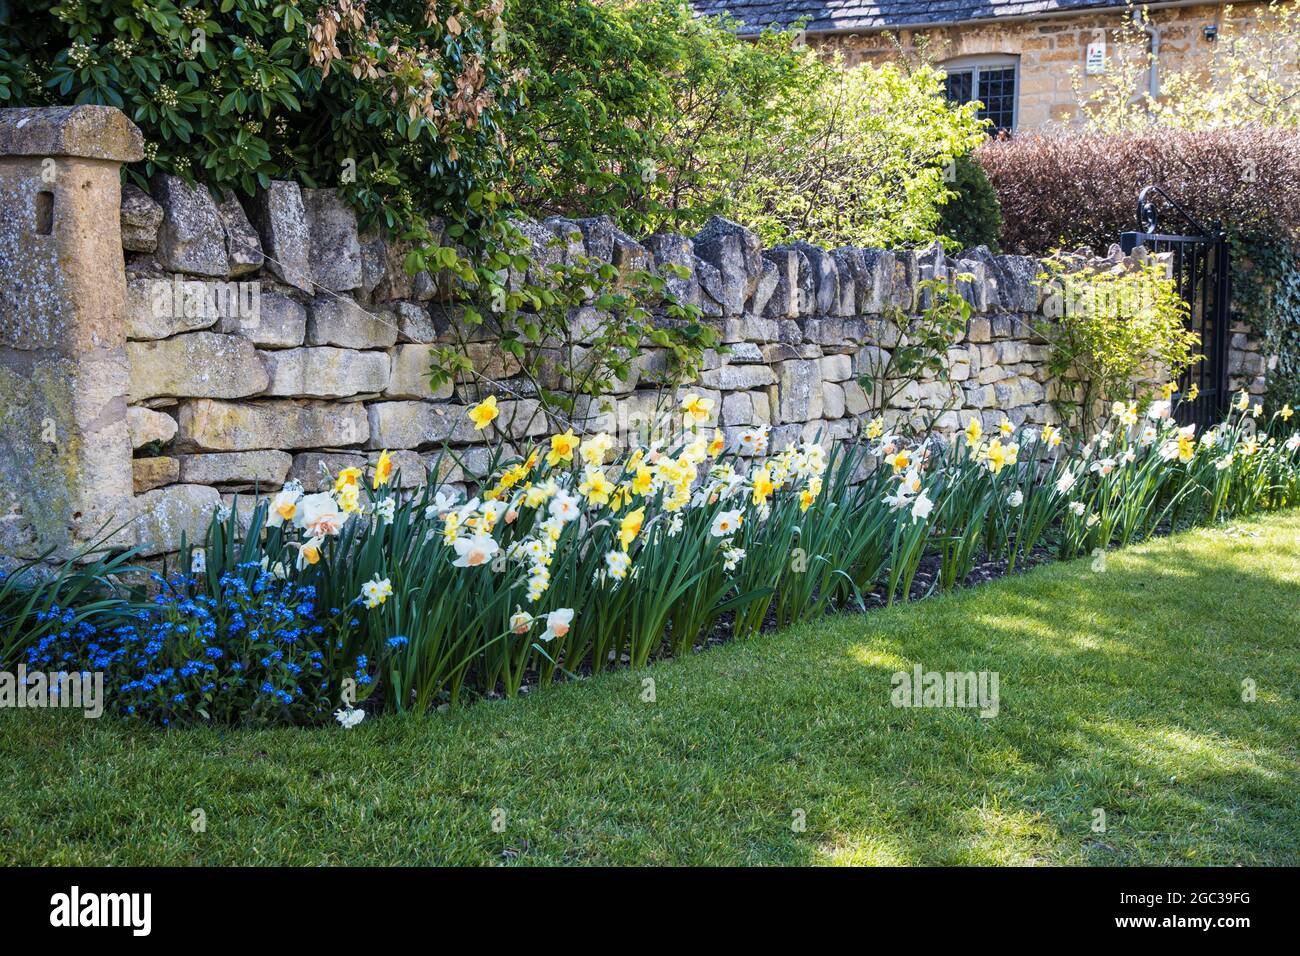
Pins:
x,y
1020,58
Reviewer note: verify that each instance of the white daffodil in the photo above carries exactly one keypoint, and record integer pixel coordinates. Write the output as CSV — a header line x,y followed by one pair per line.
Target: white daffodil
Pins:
x,y
617,563
441,506
284,506
726,523
319,515
731,557
474,550
375,592
564,507
558,623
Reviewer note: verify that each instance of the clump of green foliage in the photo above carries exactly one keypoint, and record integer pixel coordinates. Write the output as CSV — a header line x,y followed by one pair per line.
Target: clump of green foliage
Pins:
x,y
1110,329
857,158
972,216
659,118
402,104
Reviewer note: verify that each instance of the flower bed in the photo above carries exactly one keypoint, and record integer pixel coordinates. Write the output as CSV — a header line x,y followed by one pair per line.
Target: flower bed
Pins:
x,y
567,562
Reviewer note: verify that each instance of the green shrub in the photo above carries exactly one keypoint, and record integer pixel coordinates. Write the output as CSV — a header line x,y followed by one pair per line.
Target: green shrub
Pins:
x,y
1106,330
656,117
856,157
405,113
641,111
972,216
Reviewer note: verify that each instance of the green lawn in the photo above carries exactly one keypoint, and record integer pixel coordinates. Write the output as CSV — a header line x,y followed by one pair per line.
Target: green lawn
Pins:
x,y
1119,690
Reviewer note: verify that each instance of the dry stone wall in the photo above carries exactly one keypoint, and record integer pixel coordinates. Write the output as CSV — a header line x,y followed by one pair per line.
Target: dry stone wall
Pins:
x,y
260,339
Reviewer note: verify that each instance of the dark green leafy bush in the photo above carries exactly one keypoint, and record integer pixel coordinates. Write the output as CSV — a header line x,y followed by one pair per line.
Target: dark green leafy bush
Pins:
x,y
973,216
398,102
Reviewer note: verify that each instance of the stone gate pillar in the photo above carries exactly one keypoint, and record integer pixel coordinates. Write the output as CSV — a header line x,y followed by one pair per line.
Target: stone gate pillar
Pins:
x,y
65,452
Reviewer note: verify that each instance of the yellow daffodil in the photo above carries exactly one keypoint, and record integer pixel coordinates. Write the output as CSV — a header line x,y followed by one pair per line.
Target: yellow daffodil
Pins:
x,y
1243,401
484,413
697,409
1167,390
1194,392
595,487
806,498
763,487
630,526
562,448
346,478
512,476
899,461
1005,426
974,432
594,448
875,428
1186,448
717,445
643,481
383,470
1286,413
621,498
996,456
349,498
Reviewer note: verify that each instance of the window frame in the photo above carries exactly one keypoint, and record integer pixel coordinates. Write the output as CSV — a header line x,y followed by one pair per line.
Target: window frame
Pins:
x,y
976,63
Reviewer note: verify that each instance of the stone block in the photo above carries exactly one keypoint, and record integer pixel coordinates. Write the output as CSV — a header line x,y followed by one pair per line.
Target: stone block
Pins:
x,y
166,515
265,468
281,222
195,365
141,218
150,473
337,320
335,248
147,426
409,374
800,391
191,238
280,322
277,424
325,372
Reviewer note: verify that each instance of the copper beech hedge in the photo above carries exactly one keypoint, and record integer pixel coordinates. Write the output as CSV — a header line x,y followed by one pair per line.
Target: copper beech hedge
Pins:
x,y
1065,190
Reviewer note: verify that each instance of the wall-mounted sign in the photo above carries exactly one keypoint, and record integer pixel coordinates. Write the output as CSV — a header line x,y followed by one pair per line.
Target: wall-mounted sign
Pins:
x,y
1096,61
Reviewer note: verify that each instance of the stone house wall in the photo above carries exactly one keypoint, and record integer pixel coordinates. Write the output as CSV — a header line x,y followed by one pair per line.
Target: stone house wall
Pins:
x,y
321,352
1050,49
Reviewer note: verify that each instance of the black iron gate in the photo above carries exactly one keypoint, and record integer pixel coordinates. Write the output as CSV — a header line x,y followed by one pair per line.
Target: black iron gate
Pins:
x,y
1202,272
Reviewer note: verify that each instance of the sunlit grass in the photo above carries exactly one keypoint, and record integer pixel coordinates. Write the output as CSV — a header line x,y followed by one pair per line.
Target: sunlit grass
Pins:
x,y
1120,691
